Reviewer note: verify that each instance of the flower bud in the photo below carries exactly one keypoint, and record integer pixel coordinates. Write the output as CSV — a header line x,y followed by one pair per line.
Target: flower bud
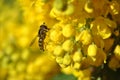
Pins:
x,y
117,51
77,57
67,45
67,59
68,30
56,36
77,66
92,50
59,60
85,37
58,51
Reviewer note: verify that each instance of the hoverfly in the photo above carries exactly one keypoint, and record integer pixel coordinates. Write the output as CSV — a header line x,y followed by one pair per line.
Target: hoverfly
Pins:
x,y
41,34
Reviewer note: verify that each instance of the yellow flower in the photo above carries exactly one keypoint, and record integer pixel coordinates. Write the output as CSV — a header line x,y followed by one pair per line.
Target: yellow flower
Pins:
x,y
50,47
58,51
92,50
56,35
114,7
117,51
77,66
67,45
77,56
59,60
67,70
82,22
68,30
83,74
85,37
67,59
78,73
104,31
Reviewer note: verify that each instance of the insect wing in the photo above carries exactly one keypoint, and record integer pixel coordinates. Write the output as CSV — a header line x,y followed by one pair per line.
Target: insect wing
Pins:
x,y
33,40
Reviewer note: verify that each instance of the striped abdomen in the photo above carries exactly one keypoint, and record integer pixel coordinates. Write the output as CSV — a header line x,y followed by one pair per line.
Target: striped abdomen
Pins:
x,y
42,35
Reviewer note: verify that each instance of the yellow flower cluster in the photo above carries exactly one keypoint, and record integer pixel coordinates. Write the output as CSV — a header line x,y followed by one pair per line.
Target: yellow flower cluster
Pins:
x,y
82,33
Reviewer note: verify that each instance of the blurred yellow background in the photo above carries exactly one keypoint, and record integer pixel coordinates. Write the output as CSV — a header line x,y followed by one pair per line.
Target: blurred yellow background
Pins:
x,y
19,61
